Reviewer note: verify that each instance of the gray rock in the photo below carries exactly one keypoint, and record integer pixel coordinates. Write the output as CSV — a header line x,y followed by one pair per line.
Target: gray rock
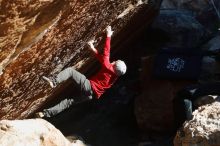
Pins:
x,y
181,27
206,11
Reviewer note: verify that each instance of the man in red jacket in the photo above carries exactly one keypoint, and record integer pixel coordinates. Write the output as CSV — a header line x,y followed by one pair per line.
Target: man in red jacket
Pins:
x,y
90,88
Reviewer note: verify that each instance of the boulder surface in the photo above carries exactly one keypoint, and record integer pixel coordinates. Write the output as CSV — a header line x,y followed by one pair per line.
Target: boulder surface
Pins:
x,y
32,132
42,37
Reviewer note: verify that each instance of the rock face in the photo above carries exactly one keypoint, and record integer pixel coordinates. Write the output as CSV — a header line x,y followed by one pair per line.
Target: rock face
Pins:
x,y
203,129
154,107
32,132
42,37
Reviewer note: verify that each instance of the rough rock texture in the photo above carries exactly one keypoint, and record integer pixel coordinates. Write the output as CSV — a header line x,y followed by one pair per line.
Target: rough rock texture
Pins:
x,y
32,132
42,37
203,129
153,108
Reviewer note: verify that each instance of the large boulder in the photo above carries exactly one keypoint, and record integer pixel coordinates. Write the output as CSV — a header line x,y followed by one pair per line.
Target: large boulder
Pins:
x,y
154,107
211,62
181,27
205,11
203,129
42,37
32,132
195,5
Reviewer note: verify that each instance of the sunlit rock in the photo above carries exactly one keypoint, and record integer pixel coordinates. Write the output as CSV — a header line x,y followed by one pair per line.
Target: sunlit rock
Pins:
x,y
32,132
42,37
203,129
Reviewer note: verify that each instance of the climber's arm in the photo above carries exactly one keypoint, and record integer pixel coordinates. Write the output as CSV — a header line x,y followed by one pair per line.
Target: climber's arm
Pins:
x,y
92,48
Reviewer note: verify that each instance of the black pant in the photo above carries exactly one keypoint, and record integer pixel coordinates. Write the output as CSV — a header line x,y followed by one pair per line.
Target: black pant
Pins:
x,y
80,80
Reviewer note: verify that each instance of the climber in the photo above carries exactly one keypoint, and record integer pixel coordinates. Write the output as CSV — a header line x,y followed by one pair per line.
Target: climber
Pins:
x,y
90,88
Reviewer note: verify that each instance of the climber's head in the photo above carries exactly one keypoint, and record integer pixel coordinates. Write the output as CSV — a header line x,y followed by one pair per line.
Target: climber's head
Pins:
x,y
119,67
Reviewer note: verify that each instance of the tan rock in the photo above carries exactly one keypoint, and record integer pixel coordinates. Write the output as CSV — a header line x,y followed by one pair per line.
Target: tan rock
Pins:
x,y
32,132
203,129
42,37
